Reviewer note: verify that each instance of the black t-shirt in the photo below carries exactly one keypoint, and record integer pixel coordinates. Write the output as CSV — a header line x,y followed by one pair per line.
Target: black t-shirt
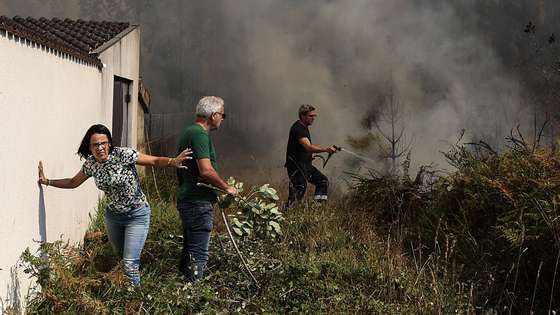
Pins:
x,y
295,153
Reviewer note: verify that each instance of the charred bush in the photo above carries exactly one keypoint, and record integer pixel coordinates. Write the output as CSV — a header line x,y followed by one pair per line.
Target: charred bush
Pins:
x,y
499,210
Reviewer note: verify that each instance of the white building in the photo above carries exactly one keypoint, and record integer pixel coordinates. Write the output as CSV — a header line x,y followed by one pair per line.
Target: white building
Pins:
x,y
57,78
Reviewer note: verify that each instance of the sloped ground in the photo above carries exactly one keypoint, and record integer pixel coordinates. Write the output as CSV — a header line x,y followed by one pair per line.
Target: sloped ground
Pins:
x,y
329,261
482,239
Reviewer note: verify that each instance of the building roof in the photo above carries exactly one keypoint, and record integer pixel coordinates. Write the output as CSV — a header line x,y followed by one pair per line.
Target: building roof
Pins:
x,y
77,38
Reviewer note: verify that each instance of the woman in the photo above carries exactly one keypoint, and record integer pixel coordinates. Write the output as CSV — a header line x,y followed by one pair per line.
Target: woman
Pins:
x,y
127,217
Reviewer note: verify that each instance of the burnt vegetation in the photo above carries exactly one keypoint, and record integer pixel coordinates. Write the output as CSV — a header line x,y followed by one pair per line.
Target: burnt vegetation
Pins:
x,y
491,225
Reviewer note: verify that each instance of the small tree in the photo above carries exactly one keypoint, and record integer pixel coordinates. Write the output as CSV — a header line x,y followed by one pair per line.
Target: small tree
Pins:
x,y
386,127
539,75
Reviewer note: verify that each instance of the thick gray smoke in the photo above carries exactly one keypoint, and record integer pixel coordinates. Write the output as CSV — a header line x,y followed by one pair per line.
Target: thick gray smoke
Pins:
x,y
338,56
266,57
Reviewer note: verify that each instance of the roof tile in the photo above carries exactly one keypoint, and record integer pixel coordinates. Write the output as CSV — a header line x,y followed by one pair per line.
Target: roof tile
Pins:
x,y
75,37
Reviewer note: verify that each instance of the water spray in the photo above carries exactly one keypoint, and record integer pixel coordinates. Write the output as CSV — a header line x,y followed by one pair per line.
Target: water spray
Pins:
x,y
341,149
361,157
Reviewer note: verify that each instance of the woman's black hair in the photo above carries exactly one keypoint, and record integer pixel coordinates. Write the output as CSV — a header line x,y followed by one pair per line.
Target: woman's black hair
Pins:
x,y
83,150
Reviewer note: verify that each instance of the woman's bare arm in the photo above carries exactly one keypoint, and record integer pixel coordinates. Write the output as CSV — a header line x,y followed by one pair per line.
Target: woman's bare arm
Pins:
x,y
67,183
162,161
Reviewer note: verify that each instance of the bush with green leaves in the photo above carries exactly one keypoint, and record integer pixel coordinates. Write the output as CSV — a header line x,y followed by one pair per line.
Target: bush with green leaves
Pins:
x,y
256,213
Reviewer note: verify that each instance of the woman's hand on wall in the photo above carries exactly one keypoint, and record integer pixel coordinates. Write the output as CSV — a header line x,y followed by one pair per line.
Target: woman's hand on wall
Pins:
x,y
68,183
42,179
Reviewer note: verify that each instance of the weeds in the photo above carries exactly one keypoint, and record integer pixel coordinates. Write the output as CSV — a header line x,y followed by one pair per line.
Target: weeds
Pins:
x,y
492,225
483,239
328,260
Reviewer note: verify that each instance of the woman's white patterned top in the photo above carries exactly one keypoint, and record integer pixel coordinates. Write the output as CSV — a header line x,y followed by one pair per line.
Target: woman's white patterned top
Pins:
x,y
118,178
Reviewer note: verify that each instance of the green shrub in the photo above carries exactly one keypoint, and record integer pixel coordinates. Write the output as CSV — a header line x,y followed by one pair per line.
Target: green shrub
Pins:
x,y
256,213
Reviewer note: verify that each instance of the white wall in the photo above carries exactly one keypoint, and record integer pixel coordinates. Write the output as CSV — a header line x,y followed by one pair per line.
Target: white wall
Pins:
x,y
47,102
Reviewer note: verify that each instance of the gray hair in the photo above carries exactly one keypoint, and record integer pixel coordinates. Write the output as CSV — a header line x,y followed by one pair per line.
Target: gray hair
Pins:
x,y
305,109
208,105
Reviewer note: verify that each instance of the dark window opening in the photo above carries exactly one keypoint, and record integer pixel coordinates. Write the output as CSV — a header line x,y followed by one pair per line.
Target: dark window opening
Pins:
x,y
121,112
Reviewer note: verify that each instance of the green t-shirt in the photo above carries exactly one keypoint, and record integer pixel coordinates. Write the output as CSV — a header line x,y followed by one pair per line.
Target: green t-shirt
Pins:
x,y
196,138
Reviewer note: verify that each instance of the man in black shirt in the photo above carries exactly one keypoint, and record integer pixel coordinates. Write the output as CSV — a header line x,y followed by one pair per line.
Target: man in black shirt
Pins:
x,y
299,156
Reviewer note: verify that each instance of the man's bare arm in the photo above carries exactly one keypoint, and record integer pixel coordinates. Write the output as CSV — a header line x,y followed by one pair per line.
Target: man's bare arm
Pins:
x,y
312,148
210,176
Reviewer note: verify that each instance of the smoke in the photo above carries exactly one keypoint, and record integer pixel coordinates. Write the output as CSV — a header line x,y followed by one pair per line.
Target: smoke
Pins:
x,y
266,57
339,56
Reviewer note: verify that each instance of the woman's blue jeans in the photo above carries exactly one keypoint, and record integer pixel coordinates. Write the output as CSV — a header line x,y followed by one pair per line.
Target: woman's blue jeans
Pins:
x,y
197,221
127,234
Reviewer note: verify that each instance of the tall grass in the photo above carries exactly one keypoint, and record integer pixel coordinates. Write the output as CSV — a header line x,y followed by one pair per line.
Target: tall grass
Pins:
x,y
484,239
330,260
491,226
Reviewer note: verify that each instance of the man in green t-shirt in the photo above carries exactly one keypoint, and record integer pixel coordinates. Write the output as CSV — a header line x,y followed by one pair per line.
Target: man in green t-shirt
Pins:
x,y
195,203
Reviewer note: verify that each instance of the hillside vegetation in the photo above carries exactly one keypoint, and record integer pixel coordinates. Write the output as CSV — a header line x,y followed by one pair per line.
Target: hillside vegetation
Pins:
x,y
484,238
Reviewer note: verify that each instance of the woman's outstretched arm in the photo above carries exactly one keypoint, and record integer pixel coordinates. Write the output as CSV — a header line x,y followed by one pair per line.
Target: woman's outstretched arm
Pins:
x,y
150,160
67,183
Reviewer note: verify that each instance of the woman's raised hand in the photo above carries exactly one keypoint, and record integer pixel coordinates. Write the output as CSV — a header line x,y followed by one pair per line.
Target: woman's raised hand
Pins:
x,y
42,179
178,160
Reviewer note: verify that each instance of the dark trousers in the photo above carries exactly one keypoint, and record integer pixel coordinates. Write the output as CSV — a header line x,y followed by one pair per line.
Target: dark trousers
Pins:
x,y
196,218
299,175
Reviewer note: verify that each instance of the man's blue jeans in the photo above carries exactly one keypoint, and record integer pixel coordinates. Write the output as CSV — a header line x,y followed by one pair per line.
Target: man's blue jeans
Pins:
x,y
197,221
127,233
